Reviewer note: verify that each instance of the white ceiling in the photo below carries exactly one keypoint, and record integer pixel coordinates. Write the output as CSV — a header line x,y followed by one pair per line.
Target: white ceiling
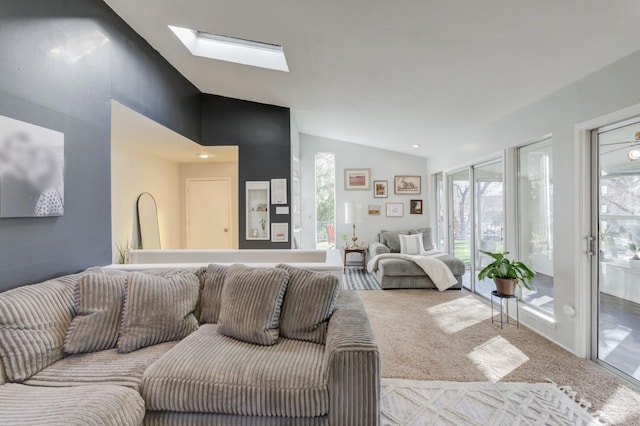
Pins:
x,y
390,73
137,132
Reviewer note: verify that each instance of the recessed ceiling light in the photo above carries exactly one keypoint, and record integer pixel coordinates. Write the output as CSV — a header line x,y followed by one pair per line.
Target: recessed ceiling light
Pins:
x,y
634,154
231,49
415,145
204,156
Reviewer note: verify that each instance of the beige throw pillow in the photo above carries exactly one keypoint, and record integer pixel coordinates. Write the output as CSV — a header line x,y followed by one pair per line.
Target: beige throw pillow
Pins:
x,y
411,244
251,303
99,301
158,310
308,304
214,279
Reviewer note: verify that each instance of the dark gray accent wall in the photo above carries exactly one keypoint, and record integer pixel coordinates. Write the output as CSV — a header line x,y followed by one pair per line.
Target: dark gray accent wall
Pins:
x,y
263,134
61,63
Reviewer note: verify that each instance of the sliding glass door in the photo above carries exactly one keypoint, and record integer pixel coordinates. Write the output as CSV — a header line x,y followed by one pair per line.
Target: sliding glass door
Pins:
x,y
489,218
616,240
476,219
460,220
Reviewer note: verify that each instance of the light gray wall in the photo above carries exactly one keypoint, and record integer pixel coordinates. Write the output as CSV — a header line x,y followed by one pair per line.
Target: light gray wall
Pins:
x,y
611,89
384,165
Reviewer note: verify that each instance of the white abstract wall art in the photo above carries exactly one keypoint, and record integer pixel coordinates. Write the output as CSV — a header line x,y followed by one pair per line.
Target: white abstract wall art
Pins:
x,y
31,170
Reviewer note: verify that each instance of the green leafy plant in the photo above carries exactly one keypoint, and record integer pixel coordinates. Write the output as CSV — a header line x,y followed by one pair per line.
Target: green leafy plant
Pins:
x,y
504,268
344,237
636,252
122,251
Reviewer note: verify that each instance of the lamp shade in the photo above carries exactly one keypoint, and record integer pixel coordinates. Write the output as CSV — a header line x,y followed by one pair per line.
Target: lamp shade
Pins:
x,y
353,212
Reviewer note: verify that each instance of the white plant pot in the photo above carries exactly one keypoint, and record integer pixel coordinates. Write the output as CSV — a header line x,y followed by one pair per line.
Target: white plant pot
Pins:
x,y
634,263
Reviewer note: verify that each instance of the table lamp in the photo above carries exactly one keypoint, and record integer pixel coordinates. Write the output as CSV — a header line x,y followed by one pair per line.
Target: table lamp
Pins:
x,y
353,215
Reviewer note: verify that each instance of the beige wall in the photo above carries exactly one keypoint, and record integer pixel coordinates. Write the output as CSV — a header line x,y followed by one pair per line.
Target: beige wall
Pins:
x,y
134,172
209,170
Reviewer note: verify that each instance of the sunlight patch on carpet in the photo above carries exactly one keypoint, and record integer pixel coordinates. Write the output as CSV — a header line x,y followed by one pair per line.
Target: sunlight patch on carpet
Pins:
x,y
459,314
496,358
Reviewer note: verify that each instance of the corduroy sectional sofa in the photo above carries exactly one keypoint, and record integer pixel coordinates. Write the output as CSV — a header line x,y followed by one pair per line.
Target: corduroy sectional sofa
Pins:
x,y
215,346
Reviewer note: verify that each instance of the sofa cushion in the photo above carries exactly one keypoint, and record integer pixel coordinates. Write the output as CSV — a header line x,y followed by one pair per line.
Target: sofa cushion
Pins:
x,y
251,303
33,323
404,268
158,310
308,304
427,237
213,282
411,244
99,299
87,405
210,373
100,368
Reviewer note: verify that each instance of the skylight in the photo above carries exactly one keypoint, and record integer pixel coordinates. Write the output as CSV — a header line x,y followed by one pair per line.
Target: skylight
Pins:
x,y
230,49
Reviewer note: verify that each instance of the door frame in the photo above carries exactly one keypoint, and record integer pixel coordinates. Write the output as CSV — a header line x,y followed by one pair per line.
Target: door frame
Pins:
x,y
186,202
584,203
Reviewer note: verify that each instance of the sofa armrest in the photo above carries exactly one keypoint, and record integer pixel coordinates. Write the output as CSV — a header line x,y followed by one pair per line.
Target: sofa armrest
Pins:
x,y
375,249
352,360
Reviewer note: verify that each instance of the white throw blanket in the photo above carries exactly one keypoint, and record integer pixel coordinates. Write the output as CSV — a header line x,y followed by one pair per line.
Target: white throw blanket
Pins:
x,y
435,268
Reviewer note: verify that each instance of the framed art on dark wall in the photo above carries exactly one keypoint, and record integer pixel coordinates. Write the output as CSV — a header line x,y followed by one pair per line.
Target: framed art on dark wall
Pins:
x,y
380,189
31,170
415,206
407,185
357,179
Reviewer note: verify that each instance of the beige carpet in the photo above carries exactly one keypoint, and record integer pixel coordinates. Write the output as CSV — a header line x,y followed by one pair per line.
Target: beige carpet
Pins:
x,y
428,335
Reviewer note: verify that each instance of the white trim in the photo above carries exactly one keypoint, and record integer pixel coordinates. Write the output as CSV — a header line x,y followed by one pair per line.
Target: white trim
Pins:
x,y
582,149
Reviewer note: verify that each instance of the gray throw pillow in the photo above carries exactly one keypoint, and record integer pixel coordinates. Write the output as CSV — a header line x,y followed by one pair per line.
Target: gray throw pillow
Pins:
x,y
158,310
214,280
99,299
251,303
391,239
427,237
308,304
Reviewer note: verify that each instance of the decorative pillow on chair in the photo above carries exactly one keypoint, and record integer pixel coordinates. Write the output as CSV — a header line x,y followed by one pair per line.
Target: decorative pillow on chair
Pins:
x,y
99,300
411,244
214,280
391,239
308,304
251,303
158,310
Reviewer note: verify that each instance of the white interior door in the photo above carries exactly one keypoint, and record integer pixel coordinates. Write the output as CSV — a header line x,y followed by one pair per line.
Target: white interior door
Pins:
x,y
208,214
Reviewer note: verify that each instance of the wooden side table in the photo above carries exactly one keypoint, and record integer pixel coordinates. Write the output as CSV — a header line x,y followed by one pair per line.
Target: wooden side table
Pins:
x,y
494,293
361,250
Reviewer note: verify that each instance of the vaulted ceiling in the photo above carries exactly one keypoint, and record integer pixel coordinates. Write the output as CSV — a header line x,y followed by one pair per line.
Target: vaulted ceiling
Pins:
x,y
391,74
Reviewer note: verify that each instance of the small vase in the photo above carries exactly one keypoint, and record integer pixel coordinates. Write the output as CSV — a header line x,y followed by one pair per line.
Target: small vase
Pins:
x,y
505,287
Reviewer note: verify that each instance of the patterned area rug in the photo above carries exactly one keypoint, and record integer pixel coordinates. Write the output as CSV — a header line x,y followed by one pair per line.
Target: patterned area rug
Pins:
x,y
413,403
359,279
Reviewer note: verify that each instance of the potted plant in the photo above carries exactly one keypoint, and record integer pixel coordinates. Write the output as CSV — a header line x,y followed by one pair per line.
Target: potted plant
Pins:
x,y
634,262
506,273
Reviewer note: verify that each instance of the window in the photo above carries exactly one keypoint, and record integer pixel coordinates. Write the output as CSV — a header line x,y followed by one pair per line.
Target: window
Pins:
x,y
440,236
535,227
325,200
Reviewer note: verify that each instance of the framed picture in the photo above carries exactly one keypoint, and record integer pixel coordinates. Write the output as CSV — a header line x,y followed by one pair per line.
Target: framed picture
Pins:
x,y
262,207
408,185
395,209
357,179
375,210
415,206
380,189
31,169
279,232
278,191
